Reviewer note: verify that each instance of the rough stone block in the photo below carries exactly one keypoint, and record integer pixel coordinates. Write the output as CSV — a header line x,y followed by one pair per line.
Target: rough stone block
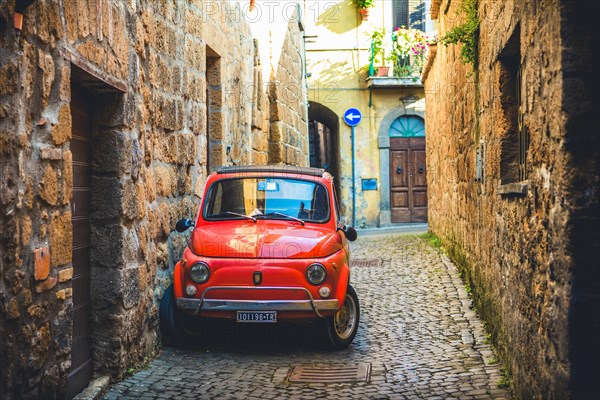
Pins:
x,y
108,246
41,263
49,186
48,284
130,286
64,294
131,245
61,236
108,195
9,73
26,230
130,200
51,153
65,275
61,131
106,285
215,125
46,65
67,184
275,153
112,152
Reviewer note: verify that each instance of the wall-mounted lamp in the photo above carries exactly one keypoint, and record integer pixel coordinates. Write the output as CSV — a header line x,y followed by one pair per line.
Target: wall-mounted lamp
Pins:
x,y
20,7
18,21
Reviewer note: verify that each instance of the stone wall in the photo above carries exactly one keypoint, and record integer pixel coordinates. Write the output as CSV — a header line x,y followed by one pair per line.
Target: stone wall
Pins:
x,y
158,73
514,238
288,141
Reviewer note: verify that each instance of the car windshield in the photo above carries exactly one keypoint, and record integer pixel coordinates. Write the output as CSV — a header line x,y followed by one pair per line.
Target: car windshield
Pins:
x,y
262,198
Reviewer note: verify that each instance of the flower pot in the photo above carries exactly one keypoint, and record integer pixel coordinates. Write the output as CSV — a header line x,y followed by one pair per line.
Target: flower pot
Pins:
x,y
364,12
383,71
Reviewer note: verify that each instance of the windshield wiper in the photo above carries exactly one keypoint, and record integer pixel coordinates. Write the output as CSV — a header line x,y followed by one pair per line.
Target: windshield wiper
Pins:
x,y
284,216
239,215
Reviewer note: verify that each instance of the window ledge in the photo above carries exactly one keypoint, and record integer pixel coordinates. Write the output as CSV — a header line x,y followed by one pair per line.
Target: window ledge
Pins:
x,y
513,189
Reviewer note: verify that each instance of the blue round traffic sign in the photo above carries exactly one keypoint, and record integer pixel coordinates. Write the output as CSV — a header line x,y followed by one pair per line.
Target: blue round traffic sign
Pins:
x,y
352,117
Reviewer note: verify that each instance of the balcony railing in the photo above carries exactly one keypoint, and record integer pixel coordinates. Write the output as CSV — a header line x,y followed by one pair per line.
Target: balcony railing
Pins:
x,y
403,73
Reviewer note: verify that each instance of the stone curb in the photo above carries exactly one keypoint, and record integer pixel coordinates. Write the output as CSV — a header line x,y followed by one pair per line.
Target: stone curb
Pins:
x,y
94,389
401,228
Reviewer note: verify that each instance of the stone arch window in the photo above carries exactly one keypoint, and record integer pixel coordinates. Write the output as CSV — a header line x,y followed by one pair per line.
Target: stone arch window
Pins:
x,y
407,126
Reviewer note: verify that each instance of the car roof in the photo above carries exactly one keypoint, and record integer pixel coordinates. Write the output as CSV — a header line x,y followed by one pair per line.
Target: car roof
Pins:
x,y
286,169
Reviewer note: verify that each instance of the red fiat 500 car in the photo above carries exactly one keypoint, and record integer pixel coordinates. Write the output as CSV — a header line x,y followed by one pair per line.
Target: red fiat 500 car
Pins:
x,y
267,246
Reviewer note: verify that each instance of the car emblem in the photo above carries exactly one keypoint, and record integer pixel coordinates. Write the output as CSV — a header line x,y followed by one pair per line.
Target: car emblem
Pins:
x,y
257,277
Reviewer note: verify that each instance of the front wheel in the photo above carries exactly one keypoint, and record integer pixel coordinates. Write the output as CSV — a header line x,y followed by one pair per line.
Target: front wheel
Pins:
x,y
176,327
343,325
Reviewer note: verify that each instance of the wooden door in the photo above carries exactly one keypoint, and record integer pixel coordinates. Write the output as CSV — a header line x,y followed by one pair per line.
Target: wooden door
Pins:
x,y
408,180
81,356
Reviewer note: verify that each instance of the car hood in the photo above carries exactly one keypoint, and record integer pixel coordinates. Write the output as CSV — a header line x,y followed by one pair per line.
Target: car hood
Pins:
x,y
264,239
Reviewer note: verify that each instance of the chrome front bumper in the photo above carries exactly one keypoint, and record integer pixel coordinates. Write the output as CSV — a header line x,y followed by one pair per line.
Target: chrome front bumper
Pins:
x,y
310,304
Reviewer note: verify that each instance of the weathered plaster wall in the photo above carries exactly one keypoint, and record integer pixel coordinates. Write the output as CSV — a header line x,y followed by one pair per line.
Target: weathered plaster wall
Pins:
x,y
513,248
146,73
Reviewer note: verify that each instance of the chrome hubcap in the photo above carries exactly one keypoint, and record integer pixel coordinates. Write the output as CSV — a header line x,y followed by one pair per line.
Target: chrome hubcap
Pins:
x,y
345,319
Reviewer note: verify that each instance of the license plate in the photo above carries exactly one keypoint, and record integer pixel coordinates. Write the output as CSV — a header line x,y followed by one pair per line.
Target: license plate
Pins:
x,y
257,316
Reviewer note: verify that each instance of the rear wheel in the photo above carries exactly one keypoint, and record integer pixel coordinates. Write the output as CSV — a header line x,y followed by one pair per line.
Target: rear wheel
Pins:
x,y
343,325
176,327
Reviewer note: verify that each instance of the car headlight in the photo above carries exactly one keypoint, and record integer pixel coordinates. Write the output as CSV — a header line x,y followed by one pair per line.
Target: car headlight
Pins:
x,y
316,274
199,272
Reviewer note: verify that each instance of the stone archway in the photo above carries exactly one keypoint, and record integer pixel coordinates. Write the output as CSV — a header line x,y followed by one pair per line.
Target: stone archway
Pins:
x,y
408,106
324,124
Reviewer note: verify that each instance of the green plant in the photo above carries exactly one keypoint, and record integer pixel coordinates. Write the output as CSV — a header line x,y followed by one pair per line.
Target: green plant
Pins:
x,y
488,338
364,3
432,239
468,288
466,33
492,361
504,381
378,49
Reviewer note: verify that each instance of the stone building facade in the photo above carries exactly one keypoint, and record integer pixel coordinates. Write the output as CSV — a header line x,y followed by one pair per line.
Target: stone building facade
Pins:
x,y
338,58
512,153
112,113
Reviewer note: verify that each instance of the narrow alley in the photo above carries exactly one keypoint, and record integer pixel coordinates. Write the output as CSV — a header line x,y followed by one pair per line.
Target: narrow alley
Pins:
x,y
147,146
418,333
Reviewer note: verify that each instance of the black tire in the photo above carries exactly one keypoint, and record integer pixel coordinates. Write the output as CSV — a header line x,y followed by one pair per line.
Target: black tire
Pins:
x,y
176,327
341,328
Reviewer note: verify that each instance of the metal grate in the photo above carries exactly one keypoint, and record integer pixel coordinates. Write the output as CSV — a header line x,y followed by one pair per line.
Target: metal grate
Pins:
x,y
366,262
347,373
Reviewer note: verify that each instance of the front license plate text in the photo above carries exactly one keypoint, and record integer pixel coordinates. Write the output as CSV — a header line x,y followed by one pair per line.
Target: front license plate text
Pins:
x,y
257,316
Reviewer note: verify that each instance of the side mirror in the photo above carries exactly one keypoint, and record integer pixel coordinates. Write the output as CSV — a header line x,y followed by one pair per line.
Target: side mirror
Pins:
x,y
183,225
349,231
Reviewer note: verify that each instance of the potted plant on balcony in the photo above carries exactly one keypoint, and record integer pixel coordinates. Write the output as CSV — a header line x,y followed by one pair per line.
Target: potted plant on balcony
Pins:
x,y
378,51
363,7
409,47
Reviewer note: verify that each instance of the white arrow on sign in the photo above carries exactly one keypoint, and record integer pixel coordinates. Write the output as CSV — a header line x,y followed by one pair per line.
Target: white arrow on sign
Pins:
x,y
352,116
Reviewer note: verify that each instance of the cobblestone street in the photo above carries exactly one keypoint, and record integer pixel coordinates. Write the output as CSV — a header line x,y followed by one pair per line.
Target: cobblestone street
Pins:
x,y
417,331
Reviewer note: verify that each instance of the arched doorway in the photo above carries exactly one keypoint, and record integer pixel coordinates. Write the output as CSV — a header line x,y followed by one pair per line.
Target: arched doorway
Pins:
x,y
323,139
402,166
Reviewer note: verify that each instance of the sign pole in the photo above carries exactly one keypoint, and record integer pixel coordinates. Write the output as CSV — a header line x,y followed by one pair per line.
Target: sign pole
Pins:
x,y
352,117
353,182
